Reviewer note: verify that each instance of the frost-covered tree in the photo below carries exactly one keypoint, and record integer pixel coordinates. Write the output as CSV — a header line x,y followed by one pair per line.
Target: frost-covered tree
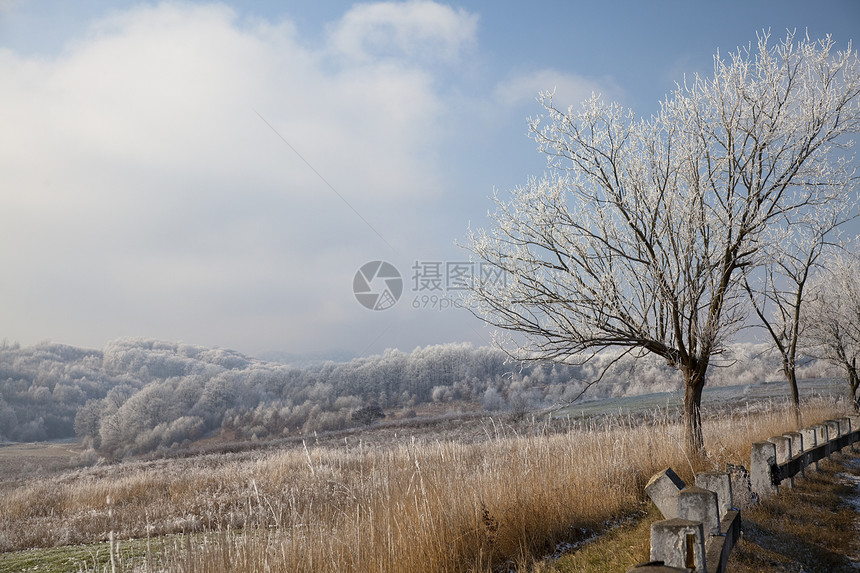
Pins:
x,y
642,230
8,420
87,420
832,318
779,293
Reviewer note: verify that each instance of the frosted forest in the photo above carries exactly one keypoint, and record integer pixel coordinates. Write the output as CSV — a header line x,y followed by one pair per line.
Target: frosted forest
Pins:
x,y
136,395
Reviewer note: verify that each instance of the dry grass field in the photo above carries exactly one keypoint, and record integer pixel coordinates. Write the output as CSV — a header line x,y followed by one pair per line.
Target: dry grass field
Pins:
x,y
505,498
22,461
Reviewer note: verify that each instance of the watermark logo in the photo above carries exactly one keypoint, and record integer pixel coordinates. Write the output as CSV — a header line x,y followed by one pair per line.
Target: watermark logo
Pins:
x,y
438,285
377,285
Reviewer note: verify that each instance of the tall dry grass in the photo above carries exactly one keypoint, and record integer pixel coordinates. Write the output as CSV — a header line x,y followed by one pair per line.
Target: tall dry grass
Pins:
x,y
413,506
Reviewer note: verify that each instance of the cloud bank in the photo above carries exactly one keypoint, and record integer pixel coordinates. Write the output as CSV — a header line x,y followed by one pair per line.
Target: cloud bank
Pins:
x,y
185,172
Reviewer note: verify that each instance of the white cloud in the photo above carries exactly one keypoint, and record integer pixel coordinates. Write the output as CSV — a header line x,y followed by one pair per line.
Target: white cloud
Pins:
x,y
139,188
172,89
417,29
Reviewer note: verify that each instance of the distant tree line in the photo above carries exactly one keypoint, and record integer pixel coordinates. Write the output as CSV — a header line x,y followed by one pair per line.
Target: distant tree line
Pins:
x,y
138,395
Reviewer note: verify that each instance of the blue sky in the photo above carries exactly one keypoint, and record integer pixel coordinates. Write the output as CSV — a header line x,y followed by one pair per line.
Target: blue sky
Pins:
x,y
217,173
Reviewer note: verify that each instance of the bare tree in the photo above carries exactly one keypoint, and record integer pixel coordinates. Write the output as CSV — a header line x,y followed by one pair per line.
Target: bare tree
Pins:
x,y
778,296
832,318
641,233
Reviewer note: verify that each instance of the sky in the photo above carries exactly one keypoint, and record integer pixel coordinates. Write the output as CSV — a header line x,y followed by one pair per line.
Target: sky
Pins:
x,y
230,174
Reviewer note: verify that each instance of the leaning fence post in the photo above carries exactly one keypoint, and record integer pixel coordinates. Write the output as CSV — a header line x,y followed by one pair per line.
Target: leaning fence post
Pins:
x,y
762,462
663,488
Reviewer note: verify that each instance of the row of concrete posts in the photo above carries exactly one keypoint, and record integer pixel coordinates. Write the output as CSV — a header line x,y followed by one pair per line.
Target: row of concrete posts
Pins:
x,y
701,525
775,462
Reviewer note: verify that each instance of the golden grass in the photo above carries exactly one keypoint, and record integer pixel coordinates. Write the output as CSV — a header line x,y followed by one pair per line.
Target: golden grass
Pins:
x,y
416,505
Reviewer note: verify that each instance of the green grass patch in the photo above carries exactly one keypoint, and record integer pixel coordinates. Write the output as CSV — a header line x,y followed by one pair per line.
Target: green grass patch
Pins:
x,y
619,549
94,557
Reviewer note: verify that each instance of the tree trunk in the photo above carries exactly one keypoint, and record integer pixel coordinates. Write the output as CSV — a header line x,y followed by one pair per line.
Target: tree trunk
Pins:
x,y
694,383
853,384
791,376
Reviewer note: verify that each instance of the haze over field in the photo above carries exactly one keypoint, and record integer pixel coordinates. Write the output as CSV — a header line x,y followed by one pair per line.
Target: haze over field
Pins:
x,y
216,173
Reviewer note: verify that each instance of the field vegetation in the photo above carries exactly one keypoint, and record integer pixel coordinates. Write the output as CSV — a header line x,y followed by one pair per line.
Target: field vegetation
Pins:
x,y
507,493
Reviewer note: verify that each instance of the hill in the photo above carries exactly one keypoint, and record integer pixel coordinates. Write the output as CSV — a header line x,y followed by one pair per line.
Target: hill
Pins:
x,y
139,395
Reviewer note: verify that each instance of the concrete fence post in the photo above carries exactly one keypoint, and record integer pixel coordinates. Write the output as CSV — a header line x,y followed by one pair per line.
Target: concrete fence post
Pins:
x,y
783,454
796,448
796,442
855,425
678,543
663,490
762,462
822,435
705,526
698,504
845,427
809,440
783,448
832,433
721,484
